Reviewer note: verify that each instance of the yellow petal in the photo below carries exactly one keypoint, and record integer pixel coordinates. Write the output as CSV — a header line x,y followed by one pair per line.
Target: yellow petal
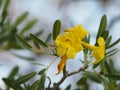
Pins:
x,y
62,64
98,51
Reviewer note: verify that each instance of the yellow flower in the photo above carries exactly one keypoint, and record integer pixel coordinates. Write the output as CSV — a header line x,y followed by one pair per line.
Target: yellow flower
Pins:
x,y
78,31
98,51
69,44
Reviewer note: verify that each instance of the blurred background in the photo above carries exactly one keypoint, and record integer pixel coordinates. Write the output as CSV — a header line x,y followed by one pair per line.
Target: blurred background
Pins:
x,y
71,13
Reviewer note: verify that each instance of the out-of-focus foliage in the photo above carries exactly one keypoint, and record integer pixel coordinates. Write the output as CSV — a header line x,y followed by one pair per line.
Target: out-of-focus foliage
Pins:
x,y
10,38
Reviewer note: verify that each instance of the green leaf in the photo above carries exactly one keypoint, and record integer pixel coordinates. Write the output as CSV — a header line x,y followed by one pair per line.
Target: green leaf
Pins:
x,y
38,64
48,38
19,20
82,81
0,3
24,57
28,26
115,77
56,29
4,11
28,38
25,78
114,43
22,42
112,68
68,87
87,40
95,65
11,83
34,85
42,82
42,71
36,44
13,72
94,77
105,35
112,52
102,27
108,41
107,66
37,40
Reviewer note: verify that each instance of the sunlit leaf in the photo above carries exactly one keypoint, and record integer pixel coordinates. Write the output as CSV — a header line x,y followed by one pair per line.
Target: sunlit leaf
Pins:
x,y
102,27
56,29
25,78
37,40
22,42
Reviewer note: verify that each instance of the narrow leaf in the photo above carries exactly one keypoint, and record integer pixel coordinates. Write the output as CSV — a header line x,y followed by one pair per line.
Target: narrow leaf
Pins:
x,y
28,26
105,35
56,29
37,40
4,12
108,67
94,77
102,27
36,44
34,85
19,20
42,83
108,41
112,66
68,87
42,71
25,78
13,72
48,38
12,84
24,57
114,43
115,77
22,42
0,3
82,81
111,51
38,64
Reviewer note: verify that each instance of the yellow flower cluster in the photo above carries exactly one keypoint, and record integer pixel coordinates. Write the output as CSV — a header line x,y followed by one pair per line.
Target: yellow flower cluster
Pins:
x,y
71,43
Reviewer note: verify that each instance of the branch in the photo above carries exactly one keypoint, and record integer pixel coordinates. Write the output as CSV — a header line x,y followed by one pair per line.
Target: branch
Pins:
x,y
66,74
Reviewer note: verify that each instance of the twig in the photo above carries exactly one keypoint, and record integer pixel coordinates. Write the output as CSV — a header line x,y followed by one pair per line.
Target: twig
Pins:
x,y
66,74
